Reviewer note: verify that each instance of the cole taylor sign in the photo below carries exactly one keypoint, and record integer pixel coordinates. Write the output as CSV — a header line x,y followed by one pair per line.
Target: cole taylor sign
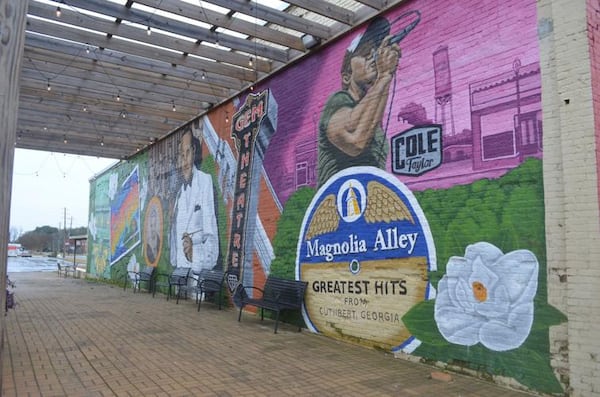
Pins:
x,y
417,150
365,249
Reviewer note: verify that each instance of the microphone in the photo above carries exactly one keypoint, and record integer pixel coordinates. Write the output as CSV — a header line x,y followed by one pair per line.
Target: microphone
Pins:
x,y
398,37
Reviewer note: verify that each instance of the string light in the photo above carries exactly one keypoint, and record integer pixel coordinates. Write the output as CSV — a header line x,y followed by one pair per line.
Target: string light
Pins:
x,y
123,114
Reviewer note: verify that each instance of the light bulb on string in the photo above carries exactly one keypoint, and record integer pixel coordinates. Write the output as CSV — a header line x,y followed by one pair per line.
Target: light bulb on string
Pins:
x,y
174,108
87,49
149,31
85,108
250,62
58,12
102,141
203,75
118,96
48,87
226,117
65,139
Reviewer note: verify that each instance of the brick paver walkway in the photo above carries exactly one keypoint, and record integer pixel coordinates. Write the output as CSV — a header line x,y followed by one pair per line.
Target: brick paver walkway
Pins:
x,y
72,337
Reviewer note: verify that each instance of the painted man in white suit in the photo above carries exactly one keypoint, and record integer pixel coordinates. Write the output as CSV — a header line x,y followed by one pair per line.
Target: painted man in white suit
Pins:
x,y
194,233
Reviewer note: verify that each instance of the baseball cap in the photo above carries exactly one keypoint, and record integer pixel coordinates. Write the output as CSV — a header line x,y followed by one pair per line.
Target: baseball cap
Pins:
x,y
378,28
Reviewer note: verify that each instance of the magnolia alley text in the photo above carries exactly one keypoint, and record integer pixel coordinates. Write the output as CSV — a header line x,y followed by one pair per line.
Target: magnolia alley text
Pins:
x,y
385,240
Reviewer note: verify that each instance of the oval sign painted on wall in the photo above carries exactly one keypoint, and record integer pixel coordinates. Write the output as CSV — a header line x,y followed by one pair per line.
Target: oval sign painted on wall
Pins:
x,y
365,249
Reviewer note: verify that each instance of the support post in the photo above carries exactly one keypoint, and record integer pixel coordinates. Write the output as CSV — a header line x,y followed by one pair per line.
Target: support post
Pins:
x,y
13,15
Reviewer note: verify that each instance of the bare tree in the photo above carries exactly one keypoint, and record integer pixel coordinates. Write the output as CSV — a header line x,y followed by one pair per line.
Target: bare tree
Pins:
x,y
14,233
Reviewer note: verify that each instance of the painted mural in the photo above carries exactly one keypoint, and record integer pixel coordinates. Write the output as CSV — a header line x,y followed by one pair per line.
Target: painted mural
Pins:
x,y
193,234
365,250
397,170
124,215
99,227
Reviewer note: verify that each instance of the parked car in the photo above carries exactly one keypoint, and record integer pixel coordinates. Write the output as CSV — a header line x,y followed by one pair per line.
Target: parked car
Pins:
x,y
25,254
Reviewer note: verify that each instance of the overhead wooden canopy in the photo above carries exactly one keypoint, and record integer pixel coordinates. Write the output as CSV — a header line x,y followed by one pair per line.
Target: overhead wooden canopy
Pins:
x,y
108,77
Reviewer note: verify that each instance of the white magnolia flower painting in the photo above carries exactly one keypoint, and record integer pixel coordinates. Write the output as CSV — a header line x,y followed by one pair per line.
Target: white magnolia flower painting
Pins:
x,y
487,297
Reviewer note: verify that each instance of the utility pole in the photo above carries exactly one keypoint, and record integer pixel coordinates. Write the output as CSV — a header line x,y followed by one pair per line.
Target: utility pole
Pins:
x,y
64,243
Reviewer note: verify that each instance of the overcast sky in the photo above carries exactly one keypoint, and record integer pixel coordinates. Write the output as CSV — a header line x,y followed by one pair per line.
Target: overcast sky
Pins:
x,y
45,184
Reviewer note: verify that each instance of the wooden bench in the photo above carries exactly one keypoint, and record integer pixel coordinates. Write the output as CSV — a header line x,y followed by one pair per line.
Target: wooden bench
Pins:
x,y
145,275
278,294
178,280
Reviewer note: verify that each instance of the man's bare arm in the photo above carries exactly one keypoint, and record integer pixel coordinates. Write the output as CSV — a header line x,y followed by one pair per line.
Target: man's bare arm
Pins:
x,y
351,130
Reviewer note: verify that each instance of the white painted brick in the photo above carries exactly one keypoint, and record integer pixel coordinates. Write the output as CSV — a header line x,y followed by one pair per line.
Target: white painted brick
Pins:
x,y
570,182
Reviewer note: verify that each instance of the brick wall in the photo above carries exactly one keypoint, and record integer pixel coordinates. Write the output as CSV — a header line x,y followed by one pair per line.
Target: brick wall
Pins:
x,y
570,172
482,209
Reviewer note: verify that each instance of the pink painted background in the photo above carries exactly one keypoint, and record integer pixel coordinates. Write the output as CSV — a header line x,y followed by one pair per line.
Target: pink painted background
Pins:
x,y
484,38
593,20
